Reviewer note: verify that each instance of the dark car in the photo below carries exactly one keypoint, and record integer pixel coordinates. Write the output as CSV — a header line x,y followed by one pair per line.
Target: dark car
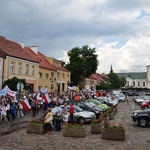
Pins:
x,y
89,107
142,117
101,100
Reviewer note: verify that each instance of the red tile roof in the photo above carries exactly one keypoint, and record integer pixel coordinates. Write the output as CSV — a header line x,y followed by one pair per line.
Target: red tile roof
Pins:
x,y
14,49
62,69
41,59
96,77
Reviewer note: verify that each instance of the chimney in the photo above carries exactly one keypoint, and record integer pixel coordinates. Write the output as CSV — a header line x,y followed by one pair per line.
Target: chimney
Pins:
x,y
22,45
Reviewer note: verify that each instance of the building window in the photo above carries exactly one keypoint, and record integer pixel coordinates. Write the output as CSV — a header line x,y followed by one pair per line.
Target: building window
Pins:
x,y
52,74
27,69
144,84
63,75
47,75
40,74
12,67
138,83
19,68
33,71
39,88
133,83
57,74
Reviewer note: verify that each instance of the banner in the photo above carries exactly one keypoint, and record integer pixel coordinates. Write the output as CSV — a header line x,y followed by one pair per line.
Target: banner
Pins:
x,y
3,92
6,90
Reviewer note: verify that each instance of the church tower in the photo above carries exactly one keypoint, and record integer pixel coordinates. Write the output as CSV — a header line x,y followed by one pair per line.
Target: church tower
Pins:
x,y
111,69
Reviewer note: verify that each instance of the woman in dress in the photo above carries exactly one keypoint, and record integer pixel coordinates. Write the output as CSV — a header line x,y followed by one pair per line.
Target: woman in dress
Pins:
x,y
48,120
65,114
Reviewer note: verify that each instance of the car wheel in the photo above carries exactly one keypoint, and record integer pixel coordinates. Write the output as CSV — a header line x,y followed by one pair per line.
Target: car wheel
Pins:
x,y
142,122
81,120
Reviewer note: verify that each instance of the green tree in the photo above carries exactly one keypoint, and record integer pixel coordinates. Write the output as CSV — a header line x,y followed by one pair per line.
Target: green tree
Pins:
x,y
12,83
114,80
82,63
123,81
103,86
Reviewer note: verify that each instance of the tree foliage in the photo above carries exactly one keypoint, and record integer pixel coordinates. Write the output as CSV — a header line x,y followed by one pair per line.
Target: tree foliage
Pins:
x,y
123,81
115,81
103,86
12,83
82,63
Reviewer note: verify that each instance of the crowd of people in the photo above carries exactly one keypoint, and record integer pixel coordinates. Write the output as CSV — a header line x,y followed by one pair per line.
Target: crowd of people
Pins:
x,y
10,108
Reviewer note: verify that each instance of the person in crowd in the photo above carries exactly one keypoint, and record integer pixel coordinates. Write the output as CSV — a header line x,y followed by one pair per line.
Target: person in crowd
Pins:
x,y
13,110
38,106
33,107
8,110
65,114
57,116
48,120
4,112
51,104
71,111
20,110
126,97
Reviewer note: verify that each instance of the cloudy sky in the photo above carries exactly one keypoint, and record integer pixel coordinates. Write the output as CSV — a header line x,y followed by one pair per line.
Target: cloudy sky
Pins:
x,y
118,29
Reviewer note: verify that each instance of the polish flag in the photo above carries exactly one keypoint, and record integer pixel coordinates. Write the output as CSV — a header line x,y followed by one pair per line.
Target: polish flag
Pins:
x,y
46,98
26,105
38,96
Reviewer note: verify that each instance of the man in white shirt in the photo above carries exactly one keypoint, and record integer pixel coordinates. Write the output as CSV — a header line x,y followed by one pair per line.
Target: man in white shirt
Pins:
x,y
4,112
57,117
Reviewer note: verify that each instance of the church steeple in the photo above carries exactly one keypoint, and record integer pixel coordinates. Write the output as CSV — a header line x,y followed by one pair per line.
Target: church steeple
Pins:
x,y
111,69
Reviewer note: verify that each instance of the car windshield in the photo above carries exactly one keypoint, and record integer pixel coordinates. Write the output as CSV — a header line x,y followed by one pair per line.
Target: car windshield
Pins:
x,y
92,104
78,109
89,104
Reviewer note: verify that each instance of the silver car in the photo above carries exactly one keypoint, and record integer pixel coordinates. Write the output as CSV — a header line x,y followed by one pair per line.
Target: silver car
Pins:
x,y
80,115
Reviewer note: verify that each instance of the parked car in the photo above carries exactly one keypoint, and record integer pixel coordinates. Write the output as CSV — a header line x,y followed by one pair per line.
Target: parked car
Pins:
x,y
104,101
97,103
141,96
142,117
145,105
80,116
89,107
142,99
114,101
121,97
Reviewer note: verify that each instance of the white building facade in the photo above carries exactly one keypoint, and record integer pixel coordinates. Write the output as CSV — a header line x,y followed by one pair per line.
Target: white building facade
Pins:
x,y
135,79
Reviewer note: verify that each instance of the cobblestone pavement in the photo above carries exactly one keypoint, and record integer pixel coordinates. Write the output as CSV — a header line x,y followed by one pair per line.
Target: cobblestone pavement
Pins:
x,y
137,138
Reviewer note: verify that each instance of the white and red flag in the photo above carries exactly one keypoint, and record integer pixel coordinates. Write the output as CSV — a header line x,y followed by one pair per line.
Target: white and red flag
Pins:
x,y
46,98
38,96
26,105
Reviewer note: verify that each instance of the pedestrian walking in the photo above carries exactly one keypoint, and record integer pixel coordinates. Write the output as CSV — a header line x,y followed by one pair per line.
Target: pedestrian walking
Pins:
x,y
13,110
4,112
65,114
33,107
71,111
48,121
20,110
57,116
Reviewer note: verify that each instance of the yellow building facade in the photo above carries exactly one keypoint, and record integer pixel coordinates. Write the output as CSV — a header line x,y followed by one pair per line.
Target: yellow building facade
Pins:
x,y
62,75
22,69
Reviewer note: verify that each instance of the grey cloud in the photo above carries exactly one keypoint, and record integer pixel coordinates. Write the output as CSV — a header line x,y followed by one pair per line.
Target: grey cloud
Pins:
x,y
45,24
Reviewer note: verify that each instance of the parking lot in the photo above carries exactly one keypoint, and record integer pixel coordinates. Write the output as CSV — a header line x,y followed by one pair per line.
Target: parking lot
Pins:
x,y
137,138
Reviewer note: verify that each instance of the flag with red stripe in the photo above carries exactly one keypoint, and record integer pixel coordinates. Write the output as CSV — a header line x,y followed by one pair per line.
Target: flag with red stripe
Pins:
x,y
46,98
26,105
